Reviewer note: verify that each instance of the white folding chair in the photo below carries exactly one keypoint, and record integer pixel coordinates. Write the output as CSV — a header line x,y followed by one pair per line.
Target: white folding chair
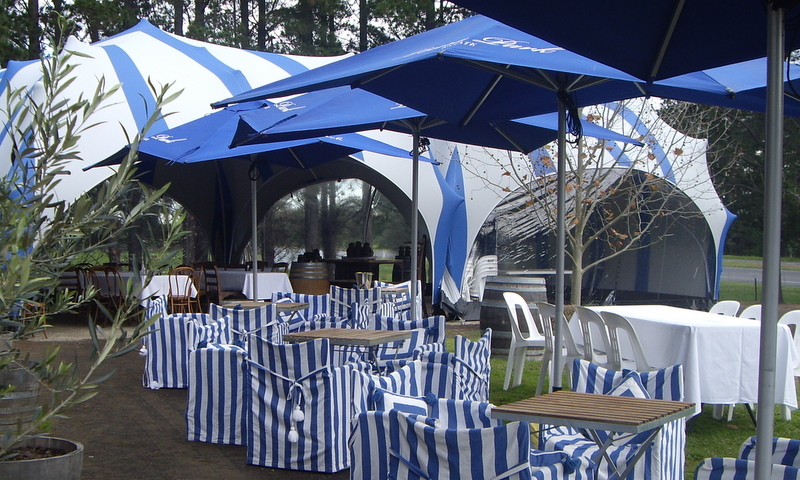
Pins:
x,y
753,312
615,324
569,352
517,351
792,320
596,344
726,307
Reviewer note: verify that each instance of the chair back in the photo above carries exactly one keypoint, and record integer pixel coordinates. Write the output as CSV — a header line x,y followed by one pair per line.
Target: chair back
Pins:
x,y
181,287
548,311
596,344
515,302
434,326
725,307
419,450
247,321
792,320
317,304
752,312
617,324
343,298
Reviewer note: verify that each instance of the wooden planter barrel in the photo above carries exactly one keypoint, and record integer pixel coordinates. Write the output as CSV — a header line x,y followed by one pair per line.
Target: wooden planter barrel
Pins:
x,y
494,313
20,405
310,278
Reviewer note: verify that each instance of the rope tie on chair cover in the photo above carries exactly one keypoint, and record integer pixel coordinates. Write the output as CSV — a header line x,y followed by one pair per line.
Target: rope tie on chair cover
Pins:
x,y
297,415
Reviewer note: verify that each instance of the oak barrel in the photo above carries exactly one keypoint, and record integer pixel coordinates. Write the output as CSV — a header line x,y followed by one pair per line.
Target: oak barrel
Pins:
x,y
494,313
310,278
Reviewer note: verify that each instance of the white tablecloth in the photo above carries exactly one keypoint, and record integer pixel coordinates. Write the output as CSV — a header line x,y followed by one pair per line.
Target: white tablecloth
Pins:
x,y
719,353
242,281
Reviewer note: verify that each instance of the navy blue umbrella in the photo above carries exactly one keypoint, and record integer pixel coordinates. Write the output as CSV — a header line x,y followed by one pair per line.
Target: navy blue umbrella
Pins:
x,y
475,73
664,39
205,173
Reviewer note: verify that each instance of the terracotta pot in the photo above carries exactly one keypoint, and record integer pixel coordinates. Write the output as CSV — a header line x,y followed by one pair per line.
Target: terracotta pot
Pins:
x,y
63,467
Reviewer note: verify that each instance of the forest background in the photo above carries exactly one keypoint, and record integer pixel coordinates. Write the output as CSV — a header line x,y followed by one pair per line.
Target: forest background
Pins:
x,y
332,27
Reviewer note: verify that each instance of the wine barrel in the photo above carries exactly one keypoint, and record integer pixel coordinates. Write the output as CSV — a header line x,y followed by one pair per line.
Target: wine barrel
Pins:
x,y
310,278
494,313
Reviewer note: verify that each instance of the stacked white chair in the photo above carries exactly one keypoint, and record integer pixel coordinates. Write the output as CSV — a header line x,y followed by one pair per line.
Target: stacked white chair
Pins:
x,y
245,321
215,409
299,408
485,267
518,349
619,328
166,348
664,458
752,312
343,298
785,462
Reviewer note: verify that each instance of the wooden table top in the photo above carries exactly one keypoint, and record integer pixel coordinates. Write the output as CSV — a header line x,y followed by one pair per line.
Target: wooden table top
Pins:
x,y
350,336
595,412
282,306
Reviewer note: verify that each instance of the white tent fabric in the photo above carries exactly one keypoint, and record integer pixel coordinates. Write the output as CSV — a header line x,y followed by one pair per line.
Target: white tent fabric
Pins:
x,y
460,192
203,72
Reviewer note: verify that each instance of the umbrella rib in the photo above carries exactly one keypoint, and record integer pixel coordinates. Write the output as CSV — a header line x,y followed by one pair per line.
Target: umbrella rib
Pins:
x,y
368,78
300,162
509,138
504,71
662,51
481,100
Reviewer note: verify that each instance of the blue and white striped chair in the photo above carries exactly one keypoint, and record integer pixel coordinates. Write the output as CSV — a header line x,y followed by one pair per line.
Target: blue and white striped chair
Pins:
x,y
402,381
343,298
217,395
664,459
168,343
299,408
463,375
785,462
318,305
245,321
402,301
157,305
417,449
434,325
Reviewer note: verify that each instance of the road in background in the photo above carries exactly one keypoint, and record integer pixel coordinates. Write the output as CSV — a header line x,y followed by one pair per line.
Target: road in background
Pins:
x,y
789,278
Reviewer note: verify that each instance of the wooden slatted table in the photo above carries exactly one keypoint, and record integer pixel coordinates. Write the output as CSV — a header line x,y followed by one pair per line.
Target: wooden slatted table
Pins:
x,y
352,337
592,413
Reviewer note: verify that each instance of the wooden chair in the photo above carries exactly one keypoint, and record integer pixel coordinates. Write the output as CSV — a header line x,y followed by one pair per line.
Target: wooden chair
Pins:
x,y
181,287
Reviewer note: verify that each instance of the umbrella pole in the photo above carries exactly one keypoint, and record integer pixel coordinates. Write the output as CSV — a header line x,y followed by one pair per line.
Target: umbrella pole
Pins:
x,y
414,221
254,227
772,241
555,380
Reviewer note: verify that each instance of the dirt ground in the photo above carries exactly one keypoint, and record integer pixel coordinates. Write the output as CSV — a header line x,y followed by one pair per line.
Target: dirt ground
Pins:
x,y
130,432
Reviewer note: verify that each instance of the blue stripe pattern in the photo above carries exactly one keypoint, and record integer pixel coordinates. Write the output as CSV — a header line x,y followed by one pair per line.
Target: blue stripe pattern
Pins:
x,y
718,468
343,298
785,451
245,321
216,401
663,460
317,304
299,406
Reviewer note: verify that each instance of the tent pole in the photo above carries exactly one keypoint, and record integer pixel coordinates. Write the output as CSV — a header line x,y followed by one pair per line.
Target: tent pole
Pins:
x,y
254,229
560,242
773,171
415,129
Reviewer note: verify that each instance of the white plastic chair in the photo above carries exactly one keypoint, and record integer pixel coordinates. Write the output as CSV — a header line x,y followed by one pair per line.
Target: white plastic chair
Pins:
x,y
517,351
486,266
615,324
792,319
752,312
569,352
726,307
596,344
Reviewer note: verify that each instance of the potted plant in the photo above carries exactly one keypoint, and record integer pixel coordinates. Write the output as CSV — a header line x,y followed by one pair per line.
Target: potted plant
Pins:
x,y
40,238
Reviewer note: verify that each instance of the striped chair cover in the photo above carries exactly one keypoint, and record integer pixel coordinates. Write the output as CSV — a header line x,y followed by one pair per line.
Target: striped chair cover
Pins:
x,y
245,321
418,450
718,468
368,445
317,304
664,459
391,356
434,325
299,406
475,368
403,381
216,401
785,451
157,305
402,301
343,298
167,345
270,335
